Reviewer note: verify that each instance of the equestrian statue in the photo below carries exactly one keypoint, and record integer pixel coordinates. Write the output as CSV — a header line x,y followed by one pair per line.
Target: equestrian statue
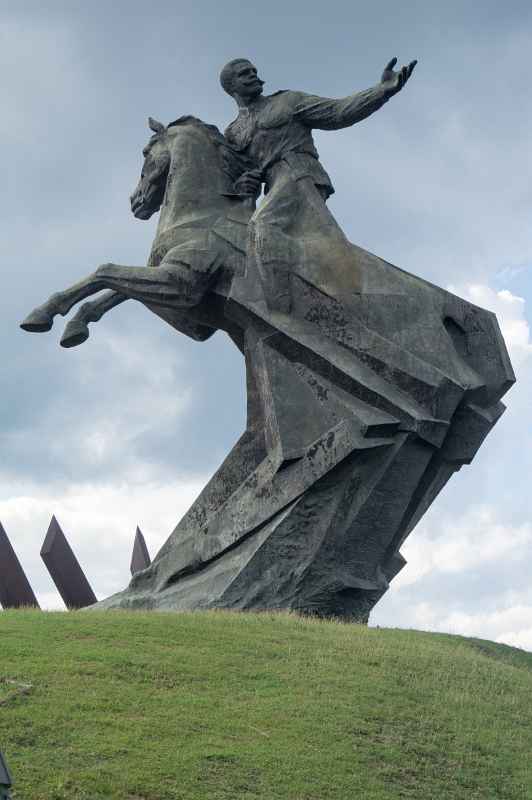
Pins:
x,y
367,387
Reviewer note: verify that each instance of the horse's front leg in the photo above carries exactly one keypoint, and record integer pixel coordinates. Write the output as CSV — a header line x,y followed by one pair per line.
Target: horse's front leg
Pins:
x,y
146,284
175,284
77,329
41,318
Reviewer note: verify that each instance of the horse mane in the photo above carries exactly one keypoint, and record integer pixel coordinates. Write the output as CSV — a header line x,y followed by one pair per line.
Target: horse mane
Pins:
x,y
233,163
212,130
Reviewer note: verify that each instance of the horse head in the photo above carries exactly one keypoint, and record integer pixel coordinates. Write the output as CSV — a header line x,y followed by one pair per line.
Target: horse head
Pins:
x,y
148,196
189,168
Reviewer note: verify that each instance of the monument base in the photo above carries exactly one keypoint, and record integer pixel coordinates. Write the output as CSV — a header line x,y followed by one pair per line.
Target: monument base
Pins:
x,y
361,405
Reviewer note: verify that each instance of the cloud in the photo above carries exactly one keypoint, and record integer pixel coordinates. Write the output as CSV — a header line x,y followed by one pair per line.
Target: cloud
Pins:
x,y
92,416
510,625
467,573
452,544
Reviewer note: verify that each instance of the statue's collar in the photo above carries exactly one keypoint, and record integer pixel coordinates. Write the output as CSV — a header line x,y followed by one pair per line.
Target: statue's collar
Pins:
x,y
252,106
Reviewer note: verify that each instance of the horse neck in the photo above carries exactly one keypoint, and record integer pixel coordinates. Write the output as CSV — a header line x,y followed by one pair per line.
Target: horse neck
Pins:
x,y
196,181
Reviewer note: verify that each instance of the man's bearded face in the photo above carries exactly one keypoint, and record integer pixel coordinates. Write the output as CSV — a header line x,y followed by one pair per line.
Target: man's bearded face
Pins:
x,y
245,81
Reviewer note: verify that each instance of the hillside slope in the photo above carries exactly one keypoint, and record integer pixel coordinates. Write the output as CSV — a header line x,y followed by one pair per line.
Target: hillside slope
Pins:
x,y
139,706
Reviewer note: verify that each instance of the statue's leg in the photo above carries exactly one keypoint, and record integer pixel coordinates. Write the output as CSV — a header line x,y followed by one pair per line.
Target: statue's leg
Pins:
x,y
41,318
174,284
77,329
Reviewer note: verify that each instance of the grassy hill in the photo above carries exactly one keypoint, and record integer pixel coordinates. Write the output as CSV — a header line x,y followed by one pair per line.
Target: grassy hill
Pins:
x,y
137,706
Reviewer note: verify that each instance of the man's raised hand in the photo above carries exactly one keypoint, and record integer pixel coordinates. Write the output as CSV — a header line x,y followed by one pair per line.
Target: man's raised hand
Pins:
x,y
394,81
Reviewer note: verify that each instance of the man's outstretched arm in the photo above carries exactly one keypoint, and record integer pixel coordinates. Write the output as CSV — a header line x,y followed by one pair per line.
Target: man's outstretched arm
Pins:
x,y
329,114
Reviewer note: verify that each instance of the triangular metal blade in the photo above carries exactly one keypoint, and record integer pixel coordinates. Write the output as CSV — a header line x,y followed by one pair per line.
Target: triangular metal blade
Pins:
x,y
15,589
140,557
65,570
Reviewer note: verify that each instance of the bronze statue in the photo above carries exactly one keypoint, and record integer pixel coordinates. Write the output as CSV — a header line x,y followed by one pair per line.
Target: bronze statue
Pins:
x,y
275,132
367,386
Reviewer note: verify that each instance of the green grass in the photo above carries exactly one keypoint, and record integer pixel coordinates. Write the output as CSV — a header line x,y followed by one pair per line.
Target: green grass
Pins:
x,y
137,706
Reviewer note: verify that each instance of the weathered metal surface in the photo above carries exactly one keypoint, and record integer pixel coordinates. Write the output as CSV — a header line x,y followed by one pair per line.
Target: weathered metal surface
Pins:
x,y
140,557
65,570
368,387
15,589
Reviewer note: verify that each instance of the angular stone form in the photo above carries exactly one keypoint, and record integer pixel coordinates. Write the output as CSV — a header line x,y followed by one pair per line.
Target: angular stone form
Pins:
x,y
15,589
65,570
140,557
362,402
367,386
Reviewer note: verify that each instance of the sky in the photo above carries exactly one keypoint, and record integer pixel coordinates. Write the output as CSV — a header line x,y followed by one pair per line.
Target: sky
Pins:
x,y
126,429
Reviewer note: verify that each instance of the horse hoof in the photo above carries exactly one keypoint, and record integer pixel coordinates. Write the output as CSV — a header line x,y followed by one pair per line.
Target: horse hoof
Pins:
x,y
75,333
38,322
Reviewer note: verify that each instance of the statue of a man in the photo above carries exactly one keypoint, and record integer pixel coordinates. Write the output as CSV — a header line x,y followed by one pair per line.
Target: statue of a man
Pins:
x,y
278,127
293,231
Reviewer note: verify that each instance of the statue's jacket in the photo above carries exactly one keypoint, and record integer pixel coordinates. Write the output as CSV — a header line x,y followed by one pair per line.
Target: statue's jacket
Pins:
x,y
278,128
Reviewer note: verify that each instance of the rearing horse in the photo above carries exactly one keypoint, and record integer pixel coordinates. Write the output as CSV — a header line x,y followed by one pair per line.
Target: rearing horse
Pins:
x,y
188,173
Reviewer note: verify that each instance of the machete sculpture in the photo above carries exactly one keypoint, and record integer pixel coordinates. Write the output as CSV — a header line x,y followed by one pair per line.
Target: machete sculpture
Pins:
x,y
367,386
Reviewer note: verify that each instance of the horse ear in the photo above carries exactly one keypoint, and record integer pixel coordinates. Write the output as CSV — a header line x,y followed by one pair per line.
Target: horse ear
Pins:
x,y
156,127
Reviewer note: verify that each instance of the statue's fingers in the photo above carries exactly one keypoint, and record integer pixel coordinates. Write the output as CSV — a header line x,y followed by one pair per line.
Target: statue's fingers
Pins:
x,y
390,65
411,67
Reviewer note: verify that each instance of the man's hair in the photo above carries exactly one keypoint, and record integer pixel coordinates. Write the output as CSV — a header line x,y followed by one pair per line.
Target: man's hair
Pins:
x,y
227,73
